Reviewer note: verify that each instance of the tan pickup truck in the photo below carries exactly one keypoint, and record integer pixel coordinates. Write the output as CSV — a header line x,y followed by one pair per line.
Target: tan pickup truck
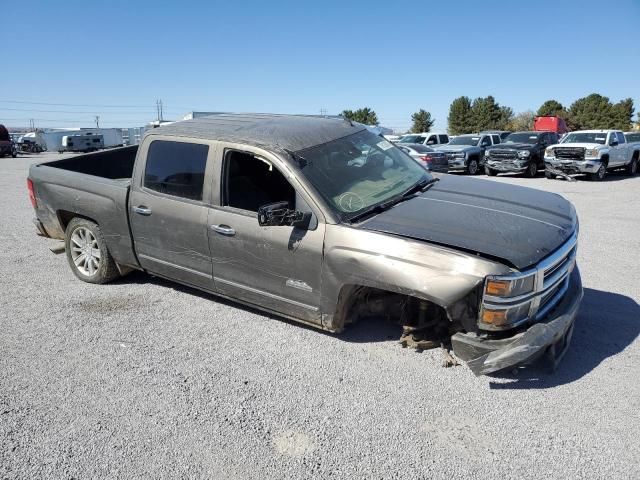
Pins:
x,y
321,221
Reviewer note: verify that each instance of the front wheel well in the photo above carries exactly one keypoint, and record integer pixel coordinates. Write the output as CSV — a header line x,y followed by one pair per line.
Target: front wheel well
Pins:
x,y
357,302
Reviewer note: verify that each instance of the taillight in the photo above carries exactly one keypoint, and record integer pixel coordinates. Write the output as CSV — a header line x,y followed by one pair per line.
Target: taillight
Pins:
x,y
426,158
32,193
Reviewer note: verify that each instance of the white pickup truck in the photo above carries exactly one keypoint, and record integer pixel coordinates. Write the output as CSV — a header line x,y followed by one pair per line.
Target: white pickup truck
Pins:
x,y
593,152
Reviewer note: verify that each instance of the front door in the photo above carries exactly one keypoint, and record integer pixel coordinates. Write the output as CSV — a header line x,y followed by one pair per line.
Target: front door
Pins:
x,y
277,267
168,213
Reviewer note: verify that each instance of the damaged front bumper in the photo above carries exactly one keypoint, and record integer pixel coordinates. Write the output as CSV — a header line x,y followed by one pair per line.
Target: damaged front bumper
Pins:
x,y
572,167
550,336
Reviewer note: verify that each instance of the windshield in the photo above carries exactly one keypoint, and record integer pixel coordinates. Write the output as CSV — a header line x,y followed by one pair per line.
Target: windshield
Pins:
x,y
465,140
585,137
357,172
411,139
530,138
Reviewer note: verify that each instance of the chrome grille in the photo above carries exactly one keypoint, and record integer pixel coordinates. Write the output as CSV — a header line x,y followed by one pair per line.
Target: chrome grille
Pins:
x,y
551,281
569,153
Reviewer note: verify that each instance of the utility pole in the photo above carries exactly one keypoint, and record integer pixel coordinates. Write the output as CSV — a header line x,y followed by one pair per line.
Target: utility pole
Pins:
x,y
159,110
97,121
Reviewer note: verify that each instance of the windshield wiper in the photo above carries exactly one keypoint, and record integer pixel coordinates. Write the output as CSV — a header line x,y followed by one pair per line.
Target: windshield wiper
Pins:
x,y
421,186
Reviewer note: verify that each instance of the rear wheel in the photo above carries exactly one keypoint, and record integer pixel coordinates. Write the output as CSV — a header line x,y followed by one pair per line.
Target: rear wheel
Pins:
x,y
87,252
472,167
490,171
532,170
600,174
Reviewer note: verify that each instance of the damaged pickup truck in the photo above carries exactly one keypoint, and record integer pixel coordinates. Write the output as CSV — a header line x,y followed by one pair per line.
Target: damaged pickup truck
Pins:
x,y
323,222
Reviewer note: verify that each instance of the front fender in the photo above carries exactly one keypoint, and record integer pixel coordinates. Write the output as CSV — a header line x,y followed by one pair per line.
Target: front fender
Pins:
x,y
441,275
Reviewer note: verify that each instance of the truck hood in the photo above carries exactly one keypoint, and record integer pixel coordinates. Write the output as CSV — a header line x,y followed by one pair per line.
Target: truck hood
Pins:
x,y
579,145
513,146
455,148
516,225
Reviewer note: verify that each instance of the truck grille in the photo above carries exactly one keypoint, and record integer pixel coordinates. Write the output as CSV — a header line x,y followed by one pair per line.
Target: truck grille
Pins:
x,y
502,154
569,153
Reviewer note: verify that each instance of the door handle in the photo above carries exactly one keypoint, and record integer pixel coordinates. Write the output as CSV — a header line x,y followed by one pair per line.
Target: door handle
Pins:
x,y
142,210
224,230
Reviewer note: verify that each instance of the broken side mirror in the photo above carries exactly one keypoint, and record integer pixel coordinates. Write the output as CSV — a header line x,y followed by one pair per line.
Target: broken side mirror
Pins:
x,y
279,214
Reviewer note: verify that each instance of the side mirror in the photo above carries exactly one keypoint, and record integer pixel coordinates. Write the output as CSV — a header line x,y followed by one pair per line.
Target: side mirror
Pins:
x,y
613,143
279,214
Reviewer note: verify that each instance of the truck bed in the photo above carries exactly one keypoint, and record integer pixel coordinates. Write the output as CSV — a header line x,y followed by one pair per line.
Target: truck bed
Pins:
x,y
116,163
94,186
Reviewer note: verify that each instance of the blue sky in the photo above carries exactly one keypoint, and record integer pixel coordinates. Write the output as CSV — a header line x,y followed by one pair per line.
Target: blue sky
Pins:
x,y
301,57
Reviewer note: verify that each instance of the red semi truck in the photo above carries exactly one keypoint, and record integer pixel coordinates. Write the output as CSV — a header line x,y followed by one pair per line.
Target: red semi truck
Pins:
x,y
550,124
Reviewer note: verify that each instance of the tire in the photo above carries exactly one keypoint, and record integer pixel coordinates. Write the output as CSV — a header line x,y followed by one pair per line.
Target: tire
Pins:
x,y
632,168
472,166
600,174
87,252
490,171
532,170
549,175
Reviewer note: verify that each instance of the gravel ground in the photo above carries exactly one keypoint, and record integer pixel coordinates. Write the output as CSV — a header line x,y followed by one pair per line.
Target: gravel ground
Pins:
x,y
143,378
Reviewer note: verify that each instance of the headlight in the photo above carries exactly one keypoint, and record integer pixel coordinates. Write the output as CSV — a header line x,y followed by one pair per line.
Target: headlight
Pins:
x,y
507,288
506,301
524,153
459,155
504,316
549,152
591,152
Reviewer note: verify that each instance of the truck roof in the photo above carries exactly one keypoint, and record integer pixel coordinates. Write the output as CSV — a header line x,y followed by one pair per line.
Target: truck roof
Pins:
x,y
290,132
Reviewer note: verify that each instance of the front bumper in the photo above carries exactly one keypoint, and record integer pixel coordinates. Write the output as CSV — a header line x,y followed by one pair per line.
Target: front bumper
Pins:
x,y
506,166
550,336
572,167
457,164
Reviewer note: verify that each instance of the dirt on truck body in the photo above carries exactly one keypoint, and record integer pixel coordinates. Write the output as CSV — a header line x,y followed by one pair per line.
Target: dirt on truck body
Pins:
x,y
321,221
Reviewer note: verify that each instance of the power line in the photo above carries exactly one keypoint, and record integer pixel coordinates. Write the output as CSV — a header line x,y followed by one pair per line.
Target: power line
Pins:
x,y
73,104
148,112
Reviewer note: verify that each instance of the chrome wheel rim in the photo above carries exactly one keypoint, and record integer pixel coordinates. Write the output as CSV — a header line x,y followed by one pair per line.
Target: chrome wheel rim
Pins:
x,y
473,167
85,252
601,171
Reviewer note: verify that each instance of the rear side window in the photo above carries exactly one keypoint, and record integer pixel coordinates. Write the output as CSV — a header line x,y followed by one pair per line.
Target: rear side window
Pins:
x,y
176,168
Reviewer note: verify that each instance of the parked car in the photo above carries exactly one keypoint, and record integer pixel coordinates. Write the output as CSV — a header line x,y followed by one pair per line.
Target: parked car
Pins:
x,y
632,137
431,138
7,146
428,157
465,153
591,152
520,152
550,124
501,133
287,214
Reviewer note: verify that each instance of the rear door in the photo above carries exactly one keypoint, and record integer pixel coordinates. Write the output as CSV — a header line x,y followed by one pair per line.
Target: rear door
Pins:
x,y
275,267
167,209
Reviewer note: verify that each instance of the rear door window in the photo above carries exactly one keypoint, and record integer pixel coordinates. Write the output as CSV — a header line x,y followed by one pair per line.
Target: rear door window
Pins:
x,y
444,139
496,139
176,168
